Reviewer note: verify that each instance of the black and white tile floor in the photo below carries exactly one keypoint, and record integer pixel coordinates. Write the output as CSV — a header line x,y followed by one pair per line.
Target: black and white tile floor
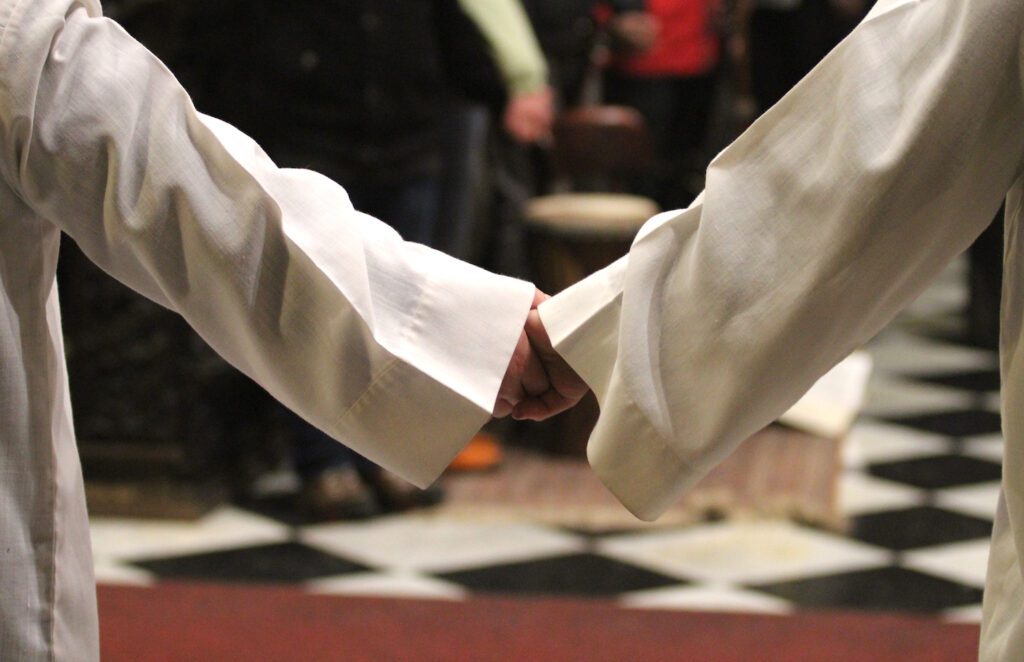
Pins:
x,y
920,485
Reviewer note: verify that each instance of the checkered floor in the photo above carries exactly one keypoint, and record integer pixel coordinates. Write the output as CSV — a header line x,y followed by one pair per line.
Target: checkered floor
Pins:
x,y
920,485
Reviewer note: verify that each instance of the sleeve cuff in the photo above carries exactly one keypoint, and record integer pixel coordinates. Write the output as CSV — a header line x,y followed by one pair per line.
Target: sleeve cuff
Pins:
x,y
634,462
424,434
467,325
582,322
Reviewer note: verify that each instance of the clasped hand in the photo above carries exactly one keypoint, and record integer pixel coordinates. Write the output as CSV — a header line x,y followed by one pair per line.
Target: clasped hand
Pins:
x,y
538,382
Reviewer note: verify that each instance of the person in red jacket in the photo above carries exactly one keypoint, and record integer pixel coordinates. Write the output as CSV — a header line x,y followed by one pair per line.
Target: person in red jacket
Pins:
x,y
672,83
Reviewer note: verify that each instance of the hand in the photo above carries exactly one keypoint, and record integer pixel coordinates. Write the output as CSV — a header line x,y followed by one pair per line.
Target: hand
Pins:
x,y
528,116
849,9
634,31
524,378
566,388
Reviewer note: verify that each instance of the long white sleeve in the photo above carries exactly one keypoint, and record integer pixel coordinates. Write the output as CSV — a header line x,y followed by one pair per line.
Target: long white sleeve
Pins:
x,y
389,346
829,214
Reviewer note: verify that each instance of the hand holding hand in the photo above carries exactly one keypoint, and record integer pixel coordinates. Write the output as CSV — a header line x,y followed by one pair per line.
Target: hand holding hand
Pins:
x,y
566,388
538,382
524,378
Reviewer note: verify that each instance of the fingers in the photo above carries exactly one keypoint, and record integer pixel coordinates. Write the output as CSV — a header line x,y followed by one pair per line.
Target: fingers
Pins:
x,y
528,116
566,387
524,377
534,380
543,407
538,382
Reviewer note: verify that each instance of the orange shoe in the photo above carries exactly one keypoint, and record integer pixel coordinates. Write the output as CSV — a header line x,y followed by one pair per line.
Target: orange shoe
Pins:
x,y
482,453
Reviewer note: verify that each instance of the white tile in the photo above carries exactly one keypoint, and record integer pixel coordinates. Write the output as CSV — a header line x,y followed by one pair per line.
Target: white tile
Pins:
x,y
963,562
898,352
975,500
985,447
391,585
968,614
111,572
872,441
888,397
434,544
743,552
706,598
860,494
946,294
224,528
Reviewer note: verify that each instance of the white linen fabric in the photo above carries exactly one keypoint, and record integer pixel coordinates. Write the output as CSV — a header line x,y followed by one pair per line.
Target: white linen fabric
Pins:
x,y
830,213
390,346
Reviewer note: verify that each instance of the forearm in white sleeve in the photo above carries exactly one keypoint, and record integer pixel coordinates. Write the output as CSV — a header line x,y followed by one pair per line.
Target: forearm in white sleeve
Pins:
x,y
391,347
817,225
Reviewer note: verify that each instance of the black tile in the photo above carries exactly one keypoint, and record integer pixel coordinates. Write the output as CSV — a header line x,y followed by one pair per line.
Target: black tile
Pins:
x,y
280,507
597,534
917,527
961,423
975,380
577,574
938,471
956,336
279,563
884,589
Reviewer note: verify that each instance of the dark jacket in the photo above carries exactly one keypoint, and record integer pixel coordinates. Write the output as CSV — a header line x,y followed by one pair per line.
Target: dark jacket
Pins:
x,y
352,88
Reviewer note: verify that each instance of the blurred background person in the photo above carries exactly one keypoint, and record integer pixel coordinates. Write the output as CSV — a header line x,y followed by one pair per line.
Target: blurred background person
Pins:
x,y
468,125
355,90
666,66
782,40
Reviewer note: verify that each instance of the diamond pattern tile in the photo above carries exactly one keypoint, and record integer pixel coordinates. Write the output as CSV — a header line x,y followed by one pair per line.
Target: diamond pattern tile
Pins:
x,y
975,500
281,563
743,552
578,574
889,395
435,545
964,562
391,585
223,528
909,354
985,447
913,528
872,441
970,614
706,598
973,380
110,572
889,588
860,494
938,471
961,423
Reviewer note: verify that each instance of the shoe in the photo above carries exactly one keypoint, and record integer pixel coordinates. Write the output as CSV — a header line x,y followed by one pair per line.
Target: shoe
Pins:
x,y
338,493
481,454
396,495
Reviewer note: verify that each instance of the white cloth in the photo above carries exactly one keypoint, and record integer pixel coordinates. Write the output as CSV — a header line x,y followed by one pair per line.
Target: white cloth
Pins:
x,y
830,213
397,349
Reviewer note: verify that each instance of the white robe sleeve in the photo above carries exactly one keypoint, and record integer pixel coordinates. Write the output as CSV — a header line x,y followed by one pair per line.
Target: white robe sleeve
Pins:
x,y
393,348
830,213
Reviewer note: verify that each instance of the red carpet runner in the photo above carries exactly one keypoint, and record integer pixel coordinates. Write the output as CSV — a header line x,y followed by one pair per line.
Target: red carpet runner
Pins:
x,y
216,622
